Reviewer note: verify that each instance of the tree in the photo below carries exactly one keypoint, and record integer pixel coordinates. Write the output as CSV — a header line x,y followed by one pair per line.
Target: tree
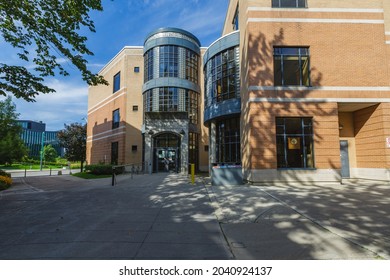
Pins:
x,y
74,139
49,153
12,147
45,32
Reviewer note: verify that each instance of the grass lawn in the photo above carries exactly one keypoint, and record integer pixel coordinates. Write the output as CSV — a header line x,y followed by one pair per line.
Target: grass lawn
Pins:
x,y
29,167
84,175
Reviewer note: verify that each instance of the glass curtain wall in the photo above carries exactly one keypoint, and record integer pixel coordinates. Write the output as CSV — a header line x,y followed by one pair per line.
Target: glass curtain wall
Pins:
x,y
221,77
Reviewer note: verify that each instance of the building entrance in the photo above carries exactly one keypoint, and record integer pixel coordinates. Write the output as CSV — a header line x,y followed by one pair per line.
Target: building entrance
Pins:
x,y
166,153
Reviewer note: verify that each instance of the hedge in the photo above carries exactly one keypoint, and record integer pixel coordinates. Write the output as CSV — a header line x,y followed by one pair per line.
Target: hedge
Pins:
x,y
99,169
5,180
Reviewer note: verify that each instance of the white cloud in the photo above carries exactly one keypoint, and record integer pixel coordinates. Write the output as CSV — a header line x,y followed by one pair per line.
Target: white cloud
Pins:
x,y
67,105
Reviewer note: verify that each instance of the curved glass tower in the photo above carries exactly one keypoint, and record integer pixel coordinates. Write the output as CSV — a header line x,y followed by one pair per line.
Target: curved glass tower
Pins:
x,y
171,100
222,100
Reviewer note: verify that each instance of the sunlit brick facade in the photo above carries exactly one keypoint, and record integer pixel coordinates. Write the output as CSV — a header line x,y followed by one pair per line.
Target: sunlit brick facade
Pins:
x,y
293,90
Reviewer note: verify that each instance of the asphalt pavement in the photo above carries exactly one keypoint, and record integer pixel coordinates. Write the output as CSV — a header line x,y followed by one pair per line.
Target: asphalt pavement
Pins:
x,y
162,216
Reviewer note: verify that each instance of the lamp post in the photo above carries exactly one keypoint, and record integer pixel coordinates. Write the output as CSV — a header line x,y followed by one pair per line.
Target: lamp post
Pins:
x,y
42,142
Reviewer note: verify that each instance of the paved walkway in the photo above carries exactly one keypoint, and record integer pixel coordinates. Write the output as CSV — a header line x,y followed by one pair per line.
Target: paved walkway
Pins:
x,y
306,222
162,216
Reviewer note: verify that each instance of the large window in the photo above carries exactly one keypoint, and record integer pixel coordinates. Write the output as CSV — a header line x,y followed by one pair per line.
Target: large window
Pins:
x,y
114,153
168,99
169,59
228,141
289,3
236,20
191,66
291,66
223,75
148,62
192,106
115,119
117,82
294,141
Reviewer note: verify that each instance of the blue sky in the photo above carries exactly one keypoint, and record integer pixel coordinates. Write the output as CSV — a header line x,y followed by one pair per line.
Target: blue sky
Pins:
x,y
122,23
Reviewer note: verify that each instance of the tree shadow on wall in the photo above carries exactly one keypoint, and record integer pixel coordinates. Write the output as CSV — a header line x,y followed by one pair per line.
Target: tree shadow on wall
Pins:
x,y
263,102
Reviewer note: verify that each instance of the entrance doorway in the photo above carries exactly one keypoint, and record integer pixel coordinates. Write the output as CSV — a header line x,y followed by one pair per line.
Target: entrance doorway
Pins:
x,y
344,156
166,160
166,153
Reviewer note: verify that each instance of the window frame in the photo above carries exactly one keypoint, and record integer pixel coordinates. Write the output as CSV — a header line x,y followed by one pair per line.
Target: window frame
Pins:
x,y
285,53
116,82
280,4
303,143
114,153
228,141
236,20
116,115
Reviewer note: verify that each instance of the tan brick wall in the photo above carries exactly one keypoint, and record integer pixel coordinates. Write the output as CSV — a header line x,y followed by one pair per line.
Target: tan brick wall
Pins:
x,y
340,55
102,102
134,119
263,138
371,129
100,134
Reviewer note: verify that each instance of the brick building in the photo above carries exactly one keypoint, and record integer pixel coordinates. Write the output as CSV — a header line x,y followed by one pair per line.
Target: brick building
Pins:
x,y
293,90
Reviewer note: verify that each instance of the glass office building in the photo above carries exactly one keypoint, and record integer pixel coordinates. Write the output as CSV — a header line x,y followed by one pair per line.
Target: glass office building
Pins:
x,y
34,133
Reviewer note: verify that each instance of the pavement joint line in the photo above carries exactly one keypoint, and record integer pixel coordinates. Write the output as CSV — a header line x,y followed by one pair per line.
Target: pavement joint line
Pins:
x,y
214,201
319,224
148,232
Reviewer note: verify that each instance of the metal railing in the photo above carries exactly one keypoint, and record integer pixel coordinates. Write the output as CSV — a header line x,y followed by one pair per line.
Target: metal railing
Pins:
x,y
132,169
45,172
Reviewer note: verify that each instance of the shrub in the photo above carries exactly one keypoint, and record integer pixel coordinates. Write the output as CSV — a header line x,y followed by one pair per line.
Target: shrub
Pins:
x,y
5,182
3,173
99,169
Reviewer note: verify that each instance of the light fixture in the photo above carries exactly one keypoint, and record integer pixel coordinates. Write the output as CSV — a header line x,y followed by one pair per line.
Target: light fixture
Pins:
x,y
182,132
340,126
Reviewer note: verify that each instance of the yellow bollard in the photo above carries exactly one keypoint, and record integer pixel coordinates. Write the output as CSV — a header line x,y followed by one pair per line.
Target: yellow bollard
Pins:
x,y
193,173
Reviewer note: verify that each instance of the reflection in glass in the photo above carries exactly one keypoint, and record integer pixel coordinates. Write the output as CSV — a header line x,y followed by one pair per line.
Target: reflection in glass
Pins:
x,y
294,143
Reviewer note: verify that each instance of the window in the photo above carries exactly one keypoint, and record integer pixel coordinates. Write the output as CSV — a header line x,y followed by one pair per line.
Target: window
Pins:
x,y
206,148
148,64
191,66
117,82
223,72
236,20
291,66
289,3
294,142
135,108
168,99
114,153
169,58
228,141
115,118
136,69
192,106
134,148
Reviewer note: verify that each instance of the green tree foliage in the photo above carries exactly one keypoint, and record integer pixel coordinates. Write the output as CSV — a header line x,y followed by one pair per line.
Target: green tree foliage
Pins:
x,y
74,139
49,153
45,32
12,147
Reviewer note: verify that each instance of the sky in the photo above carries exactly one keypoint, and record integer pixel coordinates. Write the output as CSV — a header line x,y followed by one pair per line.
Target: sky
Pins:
x,y
122,23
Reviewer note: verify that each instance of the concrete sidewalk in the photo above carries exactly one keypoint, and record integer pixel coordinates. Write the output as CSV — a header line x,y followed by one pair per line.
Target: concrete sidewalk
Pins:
x,y
305,222
157,216
162,216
